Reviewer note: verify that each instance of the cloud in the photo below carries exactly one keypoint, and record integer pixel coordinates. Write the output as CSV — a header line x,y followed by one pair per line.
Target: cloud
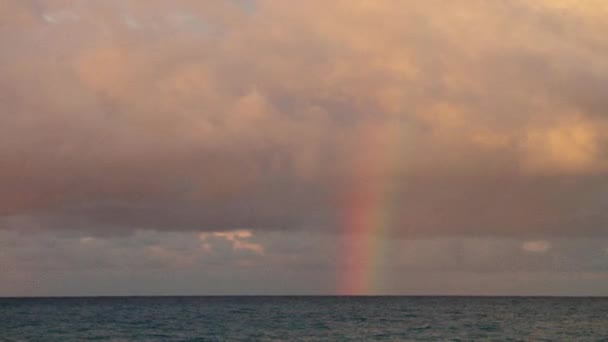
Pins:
x,y
238,238
462,119
568,147
305,262
536,246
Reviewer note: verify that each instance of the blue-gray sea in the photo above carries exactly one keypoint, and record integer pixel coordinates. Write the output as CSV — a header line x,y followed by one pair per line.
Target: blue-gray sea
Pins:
x,y
255,318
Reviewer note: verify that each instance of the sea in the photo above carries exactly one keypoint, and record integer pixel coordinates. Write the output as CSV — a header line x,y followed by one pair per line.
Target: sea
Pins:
x,y
303,318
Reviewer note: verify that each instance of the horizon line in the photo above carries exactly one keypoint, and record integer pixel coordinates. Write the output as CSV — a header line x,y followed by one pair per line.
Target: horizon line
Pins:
x,y
303,295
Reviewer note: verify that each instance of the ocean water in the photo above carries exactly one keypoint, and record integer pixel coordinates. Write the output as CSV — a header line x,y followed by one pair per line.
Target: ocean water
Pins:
x,y
304,319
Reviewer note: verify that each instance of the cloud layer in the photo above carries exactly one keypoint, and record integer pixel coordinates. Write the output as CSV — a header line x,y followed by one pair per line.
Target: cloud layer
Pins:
x,y
244,262
465,118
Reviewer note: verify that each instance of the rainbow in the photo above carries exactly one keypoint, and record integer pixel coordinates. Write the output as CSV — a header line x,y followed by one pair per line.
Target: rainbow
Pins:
x,y
366,211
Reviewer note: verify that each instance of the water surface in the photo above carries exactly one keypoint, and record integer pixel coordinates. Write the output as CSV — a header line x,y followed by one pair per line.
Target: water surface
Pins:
x,y
304,319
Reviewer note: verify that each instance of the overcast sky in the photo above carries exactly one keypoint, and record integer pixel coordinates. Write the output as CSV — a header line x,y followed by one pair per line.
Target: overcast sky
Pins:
x,y
303,147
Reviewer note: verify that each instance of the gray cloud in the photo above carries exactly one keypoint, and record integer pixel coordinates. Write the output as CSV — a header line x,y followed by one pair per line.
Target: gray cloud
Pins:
x,y
146,262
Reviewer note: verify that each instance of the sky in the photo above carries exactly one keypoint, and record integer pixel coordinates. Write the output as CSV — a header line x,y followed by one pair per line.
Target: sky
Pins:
x,y
303,147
